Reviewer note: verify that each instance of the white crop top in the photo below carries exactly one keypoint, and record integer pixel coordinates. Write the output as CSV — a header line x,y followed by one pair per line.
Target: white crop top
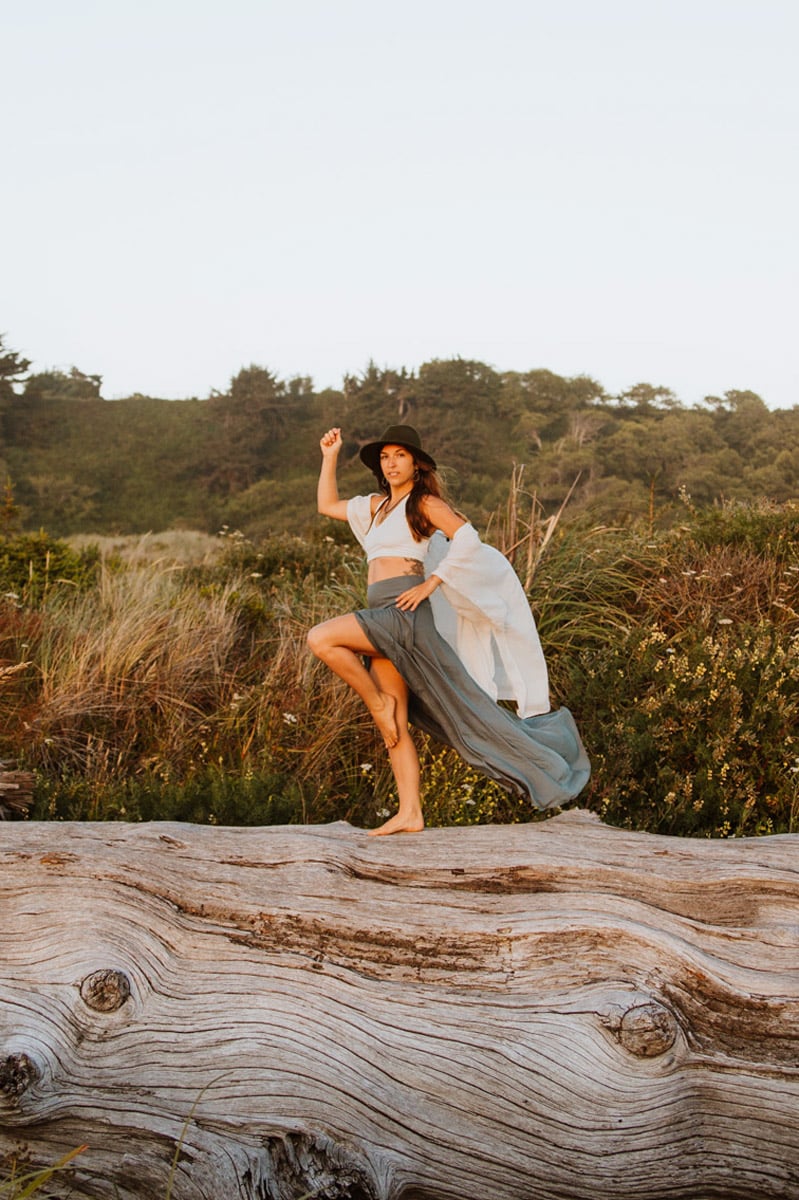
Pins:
x,y
391,538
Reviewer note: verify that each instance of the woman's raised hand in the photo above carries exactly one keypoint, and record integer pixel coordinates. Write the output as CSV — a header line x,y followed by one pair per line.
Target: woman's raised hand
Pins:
x,y
331,442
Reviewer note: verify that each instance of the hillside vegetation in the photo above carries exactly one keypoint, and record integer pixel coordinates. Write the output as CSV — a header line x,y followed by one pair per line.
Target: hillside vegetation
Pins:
x,y
247,458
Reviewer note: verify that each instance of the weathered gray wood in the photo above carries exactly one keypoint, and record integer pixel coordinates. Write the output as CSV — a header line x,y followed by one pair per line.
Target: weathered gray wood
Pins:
x,y
559,1011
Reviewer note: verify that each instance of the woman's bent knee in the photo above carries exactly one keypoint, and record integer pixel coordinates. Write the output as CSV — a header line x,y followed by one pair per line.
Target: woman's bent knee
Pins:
x,y
341,633
316,640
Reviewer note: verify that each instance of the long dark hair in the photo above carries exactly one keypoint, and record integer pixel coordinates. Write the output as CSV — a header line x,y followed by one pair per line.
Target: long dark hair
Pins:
x,y
426,483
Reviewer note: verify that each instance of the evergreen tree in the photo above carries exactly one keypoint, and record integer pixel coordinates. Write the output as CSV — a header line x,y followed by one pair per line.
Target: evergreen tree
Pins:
x,y
51,385
12,370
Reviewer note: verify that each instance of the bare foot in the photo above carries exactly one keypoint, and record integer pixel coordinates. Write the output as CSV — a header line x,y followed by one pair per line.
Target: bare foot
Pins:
x,y
384,719
400,823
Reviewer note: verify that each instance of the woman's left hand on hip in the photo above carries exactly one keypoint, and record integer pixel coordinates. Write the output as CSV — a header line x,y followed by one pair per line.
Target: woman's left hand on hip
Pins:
x,y
410,600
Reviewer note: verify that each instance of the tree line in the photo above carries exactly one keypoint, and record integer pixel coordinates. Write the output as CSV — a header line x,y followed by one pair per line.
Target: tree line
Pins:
x,y
247,457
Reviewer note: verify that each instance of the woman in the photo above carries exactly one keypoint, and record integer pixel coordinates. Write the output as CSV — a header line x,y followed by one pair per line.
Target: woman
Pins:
x,y
448,631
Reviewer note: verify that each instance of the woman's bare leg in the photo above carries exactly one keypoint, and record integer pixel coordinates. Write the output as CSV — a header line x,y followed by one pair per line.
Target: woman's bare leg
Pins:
x,y
403,756
340,643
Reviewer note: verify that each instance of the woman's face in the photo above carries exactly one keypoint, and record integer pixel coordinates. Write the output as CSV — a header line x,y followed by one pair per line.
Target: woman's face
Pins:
x,y
397,464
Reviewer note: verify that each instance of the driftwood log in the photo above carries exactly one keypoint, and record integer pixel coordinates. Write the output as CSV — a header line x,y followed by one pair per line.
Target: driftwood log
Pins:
x,y
16,792
557,1011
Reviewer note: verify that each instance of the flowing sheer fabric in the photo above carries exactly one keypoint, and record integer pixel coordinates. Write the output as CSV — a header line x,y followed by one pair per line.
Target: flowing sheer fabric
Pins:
x,y
540,758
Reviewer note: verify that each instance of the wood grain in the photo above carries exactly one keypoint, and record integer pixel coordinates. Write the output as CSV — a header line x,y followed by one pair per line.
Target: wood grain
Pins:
x,y
556,1011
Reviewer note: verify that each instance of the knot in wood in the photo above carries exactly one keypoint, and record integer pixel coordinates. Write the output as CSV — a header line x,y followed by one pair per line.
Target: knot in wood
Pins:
x,y
321,1167
105,991
648,1029
17,1074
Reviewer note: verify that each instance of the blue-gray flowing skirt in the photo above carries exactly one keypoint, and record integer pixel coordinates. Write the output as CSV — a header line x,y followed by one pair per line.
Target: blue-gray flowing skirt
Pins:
x,y
539,758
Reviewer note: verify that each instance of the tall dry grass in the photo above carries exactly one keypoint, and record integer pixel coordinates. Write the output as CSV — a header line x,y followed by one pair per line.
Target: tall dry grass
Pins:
x,y
168,547
167,690
159,676
138,661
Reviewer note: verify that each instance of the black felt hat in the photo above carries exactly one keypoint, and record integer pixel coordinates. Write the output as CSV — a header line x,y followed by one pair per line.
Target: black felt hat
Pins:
x,y
395,435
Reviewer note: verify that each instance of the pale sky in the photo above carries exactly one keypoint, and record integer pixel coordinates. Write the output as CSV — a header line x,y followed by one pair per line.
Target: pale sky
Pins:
x,y
601,187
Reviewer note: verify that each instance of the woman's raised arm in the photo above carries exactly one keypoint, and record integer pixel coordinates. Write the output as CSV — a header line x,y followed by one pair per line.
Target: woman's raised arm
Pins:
x,y
327,498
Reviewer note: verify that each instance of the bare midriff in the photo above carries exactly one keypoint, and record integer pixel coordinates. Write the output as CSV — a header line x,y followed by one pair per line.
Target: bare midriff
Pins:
x,y
390,568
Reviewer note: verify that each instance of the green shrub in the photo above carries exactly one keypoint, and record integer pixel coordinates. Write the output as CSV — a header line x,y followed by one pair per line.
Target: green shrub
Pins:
x,y
280,558
33,564
694,735
766,528
210,796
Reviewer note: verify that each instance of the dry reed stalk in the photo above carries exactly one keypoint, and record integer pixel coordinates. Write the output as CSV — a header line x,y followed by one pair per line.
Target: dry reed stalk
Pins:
x,y
7,672
522,538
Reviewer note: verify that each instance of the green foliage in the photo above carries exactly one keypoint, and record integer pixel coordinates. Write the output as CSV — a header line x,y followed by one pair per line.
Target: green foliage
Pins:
x,y
209,796
62,385
284,556
691,712
453,793
695,735
586,589
765,528
33,564
9,511
134,465
248,457
248,422
12,370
